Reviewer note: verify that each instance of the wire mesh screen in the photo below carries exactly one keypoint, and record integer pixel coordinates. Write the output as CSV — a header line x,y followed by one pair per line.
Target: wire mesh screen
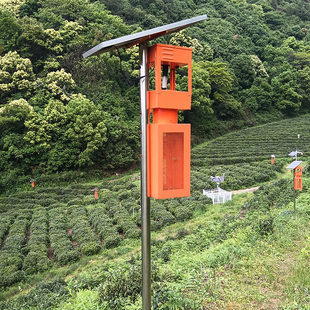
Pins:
x,y
173,160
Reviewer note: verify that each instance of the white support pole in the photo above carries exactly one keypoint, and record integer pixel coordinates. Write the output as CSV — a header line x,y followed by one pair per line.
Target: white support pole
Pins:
x,y
145,200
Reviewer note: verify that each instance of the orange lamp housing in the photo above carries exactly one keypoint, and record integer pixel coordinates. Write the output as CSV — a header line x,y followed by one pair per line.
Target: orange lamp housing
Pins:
x,y
298,172
298,178
169,166
298,183
168,141
160,55
96,193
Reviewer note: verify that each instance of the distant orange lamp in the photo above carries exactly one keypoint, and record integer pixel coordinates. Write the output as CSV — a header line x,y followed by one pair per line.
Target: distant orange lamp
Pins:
x,y
32,182
272,159
168,141
95,190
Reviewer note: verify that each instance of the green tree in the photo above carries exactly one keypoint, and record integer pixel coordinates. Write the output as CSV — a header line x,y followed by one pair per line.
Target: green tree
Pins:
x,y
9,31
12,128
285,87
16,76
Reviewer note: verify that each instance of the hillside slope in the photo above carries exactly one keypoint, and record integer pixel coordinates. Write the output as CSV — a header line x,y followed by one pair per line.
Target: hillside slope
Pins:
x,y
61,249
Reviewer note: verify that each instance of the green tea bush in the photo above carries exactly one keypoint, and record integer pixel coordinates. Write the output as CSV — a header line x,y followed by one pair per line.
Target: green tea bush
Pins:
x,y
123,195
124,222
160,216
131,186
11,257
181,233
36,259
88,243
61,245
119,284
104,227
6,220
46,295
75,201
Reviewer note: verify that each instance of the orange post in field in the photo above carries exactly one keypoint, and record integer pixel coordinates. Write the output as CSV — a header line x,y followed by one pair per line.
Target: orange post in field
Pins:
x,y
32,182
168,141
272,159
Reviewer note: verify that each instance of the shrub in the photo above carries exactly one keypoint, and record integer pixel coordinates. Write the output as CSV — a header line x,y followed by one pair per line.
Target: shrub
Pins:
x,y
88,243
60,244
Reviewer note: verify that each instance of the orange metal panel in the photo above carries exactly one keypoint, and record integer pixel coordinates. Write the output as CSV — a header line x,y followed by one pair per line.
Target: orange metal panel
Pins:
x,y
165,116
298,183
169,154
170,53
169,99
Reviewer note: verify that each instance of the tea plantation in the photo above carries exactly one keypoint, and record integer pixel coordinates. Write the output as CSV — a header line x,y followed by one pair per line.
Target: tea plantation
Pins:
x,y
62,249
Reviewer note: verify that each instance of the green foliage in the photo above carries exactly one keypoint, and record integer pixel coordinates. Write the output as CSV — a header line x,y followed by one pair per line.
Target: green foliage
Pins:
x,y
249,59
9,31
88,243
121,284
46,295
16,75
61,245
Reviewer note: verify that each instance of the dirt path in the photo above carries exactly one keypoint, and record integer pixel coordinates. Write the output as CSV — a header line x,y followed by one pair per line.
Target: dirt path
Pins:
x,y
247,190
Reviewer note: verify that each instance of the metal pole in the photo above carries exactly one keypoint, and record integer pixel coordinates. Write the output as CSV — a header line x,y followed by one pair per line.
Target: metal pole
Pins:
x,y
145,200
294,188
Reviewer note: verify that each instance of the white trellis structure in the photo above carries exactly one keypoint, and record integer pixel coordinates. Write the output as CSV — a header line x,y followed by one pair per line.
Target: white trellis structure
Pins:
x,y
218,195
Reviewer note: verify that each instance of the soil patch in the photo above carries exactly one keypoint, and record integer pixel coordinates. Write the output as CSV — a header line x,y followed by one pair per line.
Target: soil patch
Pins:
x,y
50,253
247,190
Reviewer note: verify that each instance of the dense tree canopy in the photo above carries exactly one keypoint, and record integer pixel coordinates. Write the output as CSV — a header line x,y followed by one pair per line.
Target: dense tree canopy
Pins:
x,y
59,111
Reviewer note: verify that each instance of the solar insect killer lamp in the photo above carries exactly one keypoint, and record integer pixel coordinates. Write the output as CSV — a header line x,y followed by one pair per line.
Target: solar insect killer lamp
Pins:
x,y
169,142
32,182
165,144
297,177
272,159
95,190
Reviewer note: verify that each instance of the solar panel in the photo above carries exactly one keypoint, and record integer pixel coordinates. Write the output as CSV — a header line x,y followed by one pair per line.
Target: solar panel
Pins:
x,y
294,164
142,36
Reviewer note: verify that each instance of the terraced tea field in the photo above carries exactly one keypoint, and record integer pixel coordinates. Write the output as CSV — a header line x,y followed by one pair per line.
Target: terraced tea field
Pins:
x,y
48,227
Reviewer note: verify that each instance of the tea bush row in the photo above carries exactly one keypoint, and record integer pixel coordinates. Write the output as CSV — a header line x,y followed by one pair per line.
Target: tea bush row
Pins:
x,y
11,254
255,144
260,216
182,211
238,176
103,225
37,259
88,243
6,220
160,216
61,245
124,222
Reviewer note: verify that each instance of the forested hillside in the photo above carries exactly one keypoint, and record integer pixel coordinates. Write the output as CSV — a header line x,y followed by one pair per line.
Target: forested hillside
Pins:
x,y
59,112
